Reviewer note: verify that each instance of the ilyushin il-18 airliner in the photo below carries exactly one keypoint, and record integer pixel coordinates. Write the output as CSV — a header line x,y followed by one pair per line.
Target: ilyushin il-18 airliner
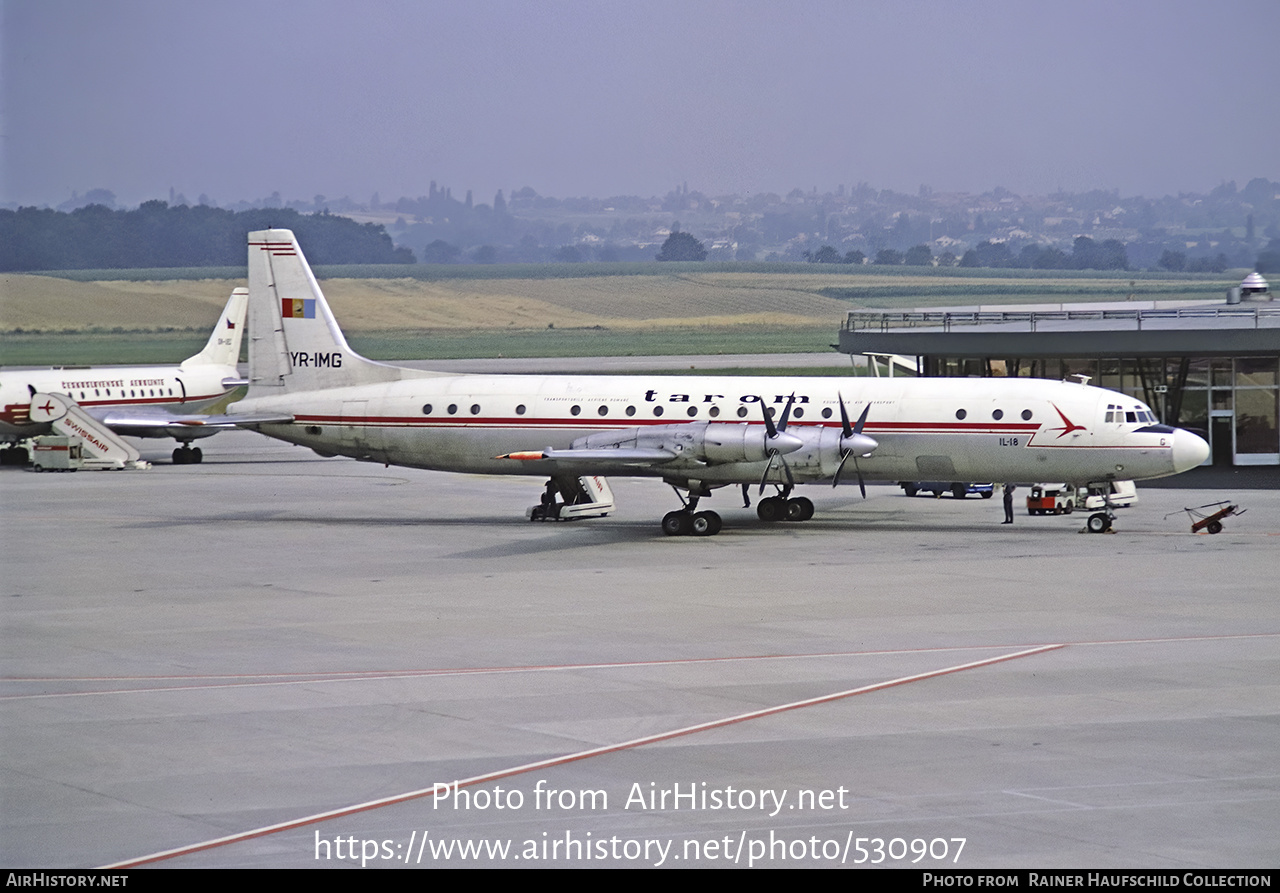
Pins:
x,y
696,433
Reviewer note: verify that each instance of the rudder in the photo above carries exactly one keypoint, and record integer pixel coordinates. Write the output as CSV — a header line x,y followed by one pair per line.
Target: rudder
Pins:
x,y
294,341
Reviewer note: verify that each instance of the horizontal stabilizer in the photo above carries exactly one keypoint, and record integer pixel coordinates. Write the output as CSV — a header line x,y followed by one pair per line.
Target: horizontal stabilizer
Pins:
x,y
142,423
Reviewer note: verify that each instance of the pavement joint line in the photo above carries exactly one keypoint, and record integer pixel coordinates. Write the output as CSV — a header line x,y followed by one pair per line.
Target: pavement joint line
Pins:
x,y
571,758
281,679
255,680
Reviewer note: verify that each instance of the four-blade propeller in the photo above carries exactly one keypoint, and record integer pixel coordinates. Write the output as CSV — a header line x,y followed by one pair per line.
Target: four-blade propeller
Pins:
x,y
853,443
778,441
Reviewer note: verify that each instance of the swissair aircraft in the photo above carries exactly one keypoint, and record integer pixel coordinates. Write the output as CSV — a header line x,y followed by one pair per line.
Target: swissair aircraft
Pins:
x,y
142,401
696,433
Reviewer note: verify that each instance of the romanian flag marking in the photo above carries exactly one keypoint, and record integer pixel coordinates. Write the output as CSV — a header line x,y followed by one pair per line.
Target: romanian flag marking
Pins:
x,y
298,308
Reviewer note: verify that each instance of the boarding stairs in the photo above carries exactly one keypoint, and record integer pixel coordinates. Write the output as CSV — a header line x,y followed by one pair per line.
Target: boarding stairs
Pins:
x,y
102,447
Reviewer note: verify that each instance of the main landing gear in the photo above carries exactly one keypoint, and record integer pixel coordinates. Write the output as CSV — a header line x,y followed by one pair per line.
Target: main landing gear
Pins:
x,y
688,521
783,508
187,455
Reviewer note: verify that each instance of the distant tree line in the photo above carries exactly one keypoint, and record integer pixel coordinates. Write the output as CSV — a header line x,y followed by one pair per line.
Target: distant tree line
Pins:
x,y
1085,255
157,235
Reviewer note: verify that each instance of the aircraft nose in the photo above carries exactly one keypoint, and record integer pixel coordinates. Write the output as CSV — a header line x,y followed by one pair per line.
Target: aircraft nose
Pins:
x,y
1189,450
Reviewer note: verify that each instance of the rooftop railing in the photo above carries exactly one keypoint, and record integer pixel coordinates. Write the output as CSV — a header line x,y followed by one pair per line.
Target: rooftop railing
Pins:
x,y
1236,317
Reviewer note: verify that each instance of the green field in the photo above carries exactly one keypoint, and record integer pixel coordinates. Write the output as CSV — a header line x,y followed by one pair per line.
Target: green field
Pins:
x,y
425,312
105,348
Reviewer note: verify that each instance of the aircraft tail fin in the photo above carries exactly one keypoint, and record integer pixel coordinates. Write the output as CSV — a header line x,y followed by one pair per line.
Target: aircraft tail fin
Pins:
x,y
294,341
223,348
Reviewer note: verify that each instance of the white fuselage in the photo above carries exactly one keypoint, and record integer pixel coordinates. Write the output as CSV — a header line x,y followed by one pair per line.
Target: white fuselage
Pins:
x,y
934,429
100,389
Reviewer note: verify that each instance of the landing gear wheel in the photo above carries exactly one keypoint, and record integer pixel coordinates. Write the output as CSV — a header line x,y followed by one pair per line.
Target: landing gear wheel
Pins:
x,y
799,509
677,523
1098,523
197,456
771,509
959,491
704,524
180,456
911,491
1214,527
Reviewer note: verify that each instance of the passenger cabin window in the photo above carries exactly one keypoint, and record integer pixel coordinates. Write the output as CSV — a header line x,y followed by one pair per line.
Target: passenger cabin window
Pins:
x,y
657,410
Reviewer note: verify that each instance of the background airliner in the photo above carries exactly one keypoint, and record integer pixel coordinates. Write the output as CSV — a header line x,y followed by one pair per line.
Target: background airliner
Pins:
x,y
142,401
696,433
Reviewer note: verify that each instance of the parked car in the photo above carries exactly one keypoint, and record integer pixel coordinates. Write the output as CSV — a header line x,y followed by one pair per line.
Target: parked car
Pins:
x,y
958,489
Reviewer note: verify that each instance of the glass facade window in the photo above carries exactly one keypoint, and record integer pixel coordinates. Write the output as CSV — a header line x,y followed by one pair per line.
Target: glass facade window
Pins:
x,y
1198,373
1257,372
1195,411
1256,420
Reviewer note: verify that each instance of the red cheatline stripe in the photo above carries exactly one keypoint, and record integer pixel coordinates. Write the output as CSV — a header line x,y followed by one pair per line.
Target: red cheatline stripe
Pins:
x,y
569,758
593,421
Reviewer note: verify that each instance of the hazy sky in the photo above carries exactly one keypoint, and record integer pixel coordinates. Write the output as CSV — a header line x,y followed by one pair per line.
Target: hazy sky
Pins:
x,y
240,99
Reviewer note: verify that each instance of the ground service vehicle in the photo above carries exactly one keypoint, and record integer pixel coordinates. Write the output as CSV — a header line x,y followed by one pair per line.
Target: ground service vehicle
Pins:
x,y
1117,494
1051,499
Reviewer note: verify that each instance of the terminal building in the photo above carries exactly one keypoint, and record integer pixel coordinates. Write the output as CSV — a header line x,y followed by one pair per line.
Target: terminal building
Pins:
x,y
1214,368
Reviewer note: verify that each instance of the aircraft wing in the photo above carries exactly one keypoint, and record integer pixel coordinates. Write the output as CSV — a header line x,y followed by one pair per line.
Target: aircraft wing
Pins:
x,y
158,423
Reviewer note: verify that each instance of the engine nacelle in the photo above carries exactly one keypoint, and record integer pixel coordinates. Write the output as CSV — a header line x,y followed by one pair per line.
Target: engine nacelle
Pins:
x,y
822,448
715,443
